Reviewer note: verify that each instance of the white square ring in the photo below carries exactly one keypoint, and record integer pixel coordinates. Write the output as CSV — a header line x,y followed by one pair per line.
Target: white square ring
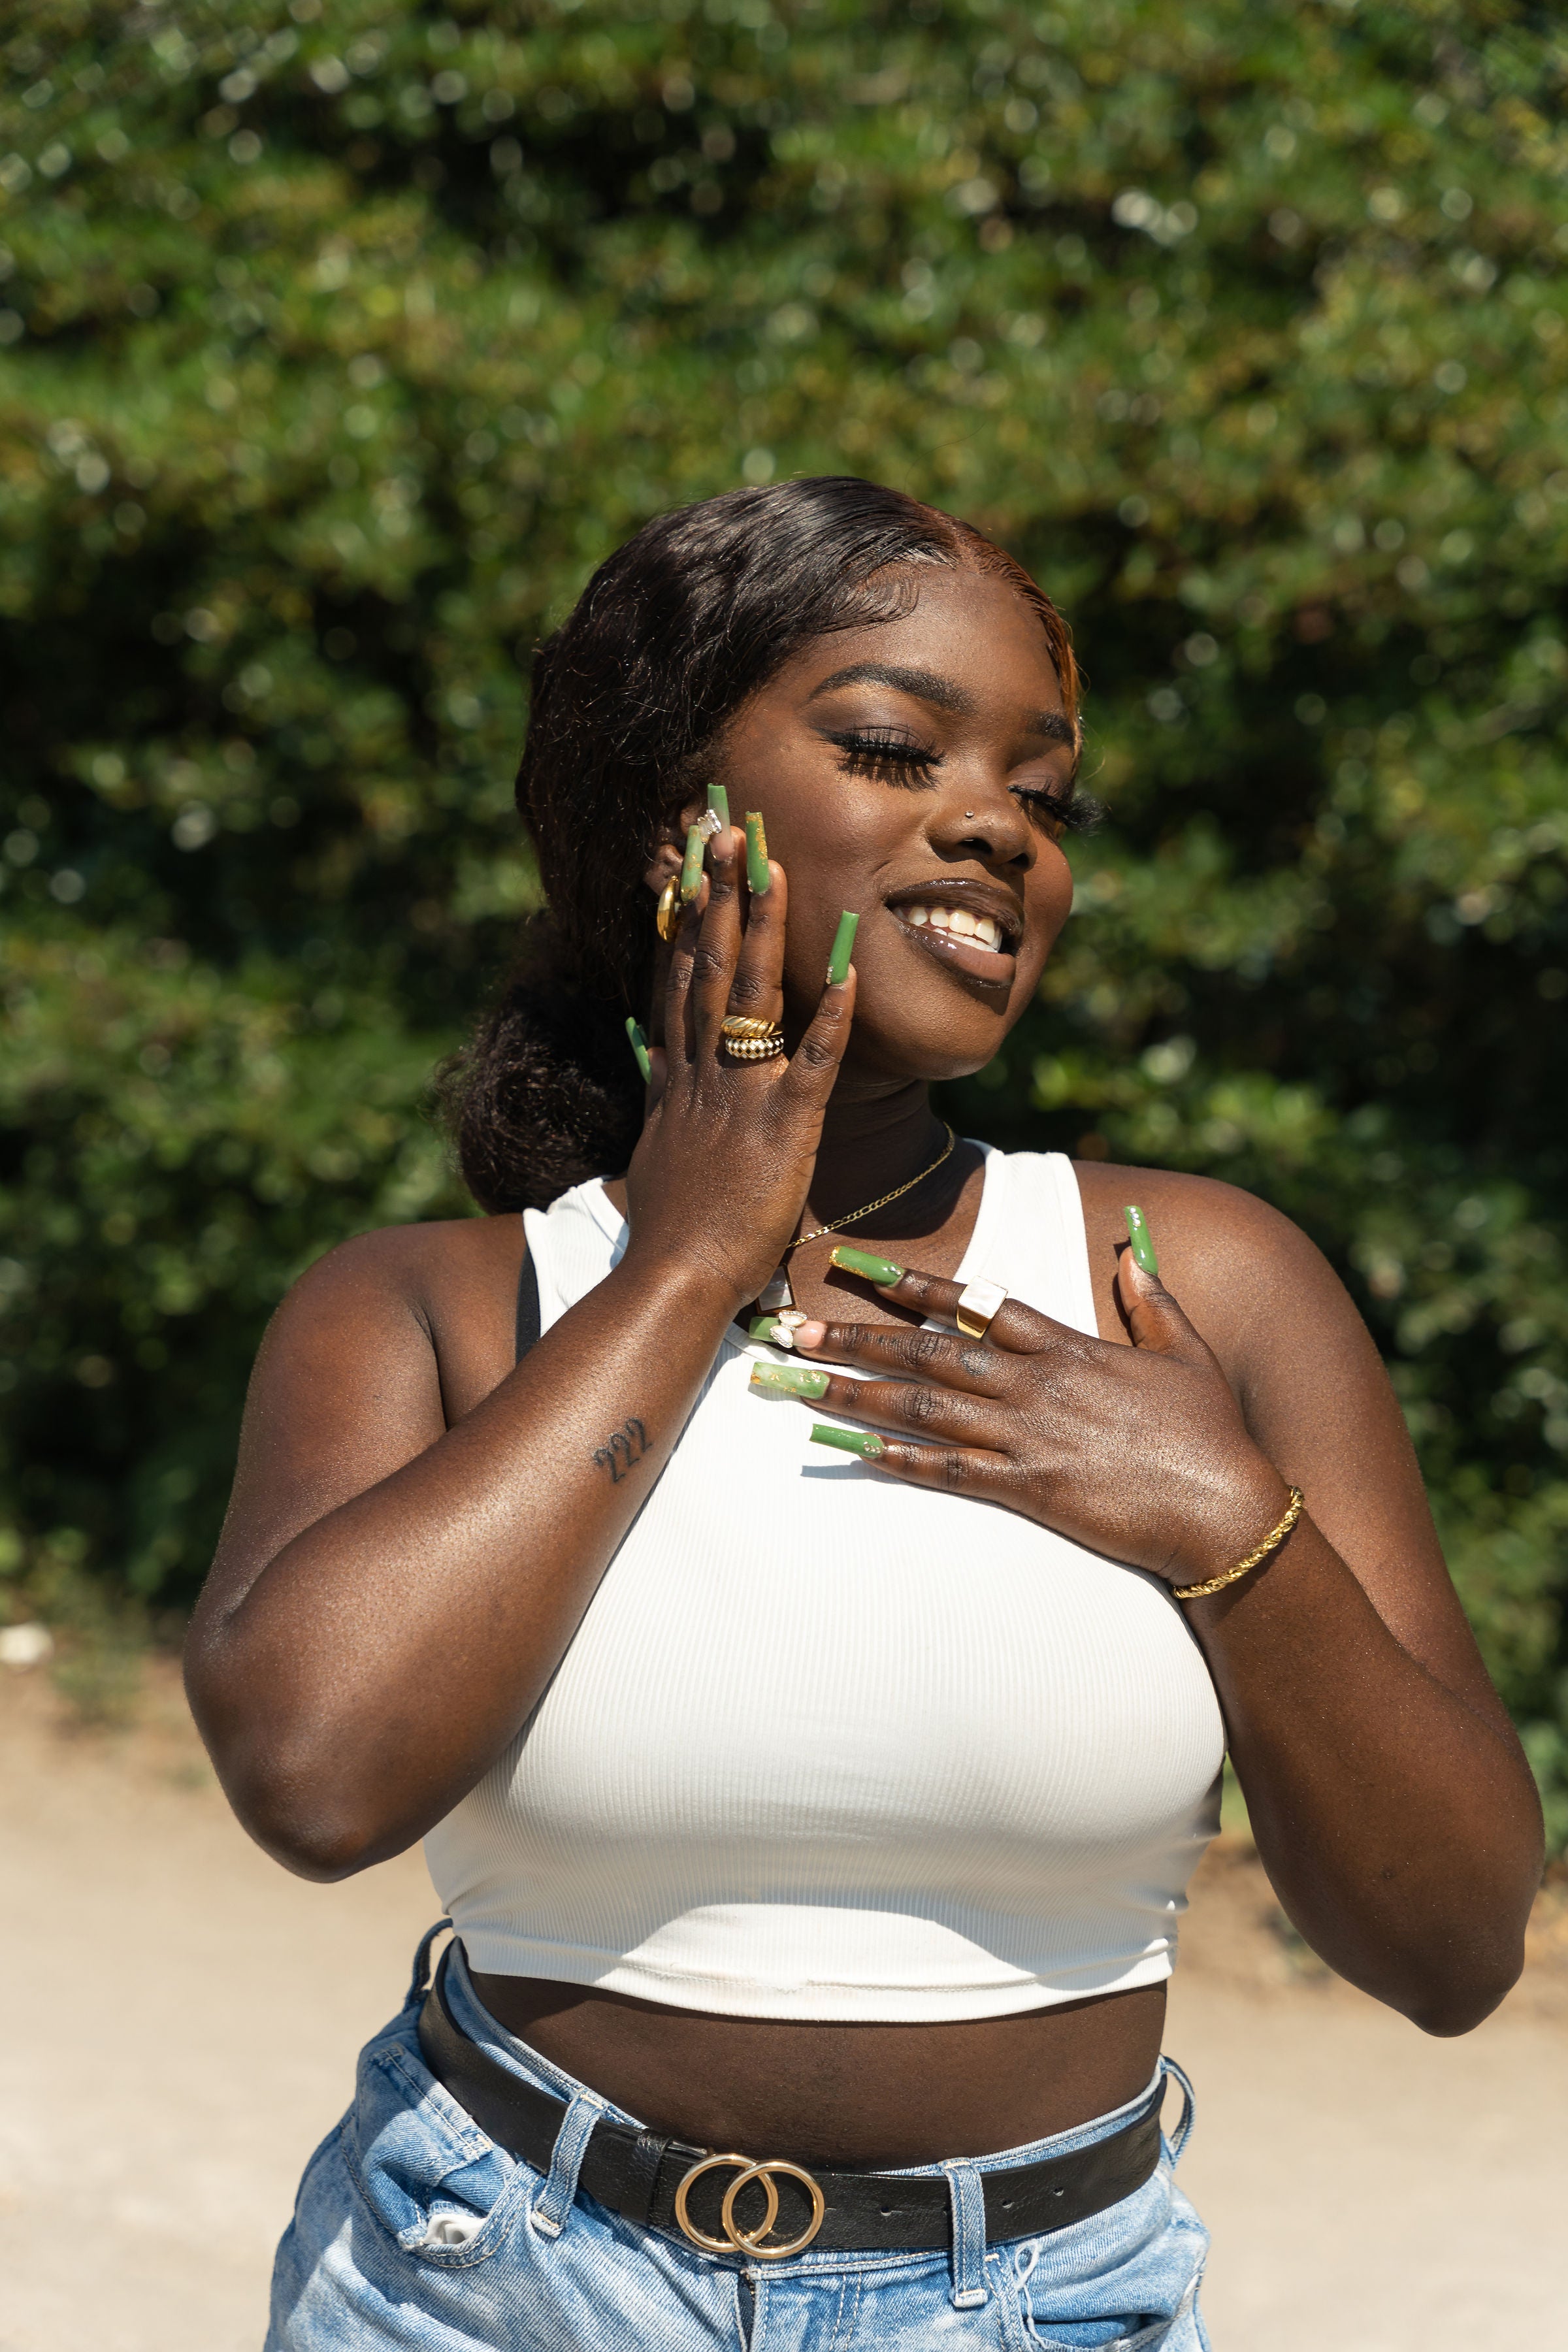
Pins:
x,y
979,1302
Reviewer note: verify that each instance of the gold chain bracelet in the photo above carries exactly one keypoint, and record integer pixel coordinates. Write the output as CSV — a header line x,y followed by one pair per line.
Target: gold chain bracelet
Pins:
x,y
1271,1542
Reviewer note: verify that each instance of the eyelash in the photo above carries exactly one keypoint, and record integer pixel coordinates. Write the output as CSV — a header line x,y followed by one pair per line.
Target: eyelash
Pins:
x,y
893,758
1075,812
887,758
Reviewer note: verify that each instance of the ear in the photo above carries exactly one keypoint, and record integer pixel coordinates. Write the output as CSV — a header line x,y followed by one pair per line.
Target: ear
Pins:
x,y
668,857
665,865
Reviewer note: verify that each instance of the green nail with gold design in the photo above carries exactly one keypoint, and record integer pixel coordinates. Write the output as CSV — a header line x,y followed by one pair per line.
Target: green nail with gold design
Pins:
x,y
719,802
1140,1238
758,878
843,948
691,867
863,1441
638,1037
880,1270
790,1380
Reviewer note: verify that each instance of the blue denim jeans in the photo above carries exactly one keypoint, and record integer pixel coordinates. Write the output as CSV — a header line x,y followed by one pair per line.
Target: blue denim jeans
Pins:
x,y
414,2232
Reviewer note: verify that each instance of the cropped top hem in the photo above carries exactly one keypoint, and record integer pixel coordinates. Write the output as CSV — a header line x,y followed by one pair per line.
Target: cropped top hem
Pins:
x,y
819,2001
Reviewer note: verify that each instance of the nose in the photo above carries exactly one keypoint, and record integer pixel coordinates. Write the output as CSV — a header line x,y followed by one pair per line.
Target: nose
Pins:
x,y
977,818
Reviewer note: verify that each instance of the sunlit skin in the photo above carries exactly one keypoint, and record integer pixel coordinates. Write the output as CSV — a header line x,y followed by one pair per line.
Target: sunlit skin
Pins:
x,y
417,1526
853,830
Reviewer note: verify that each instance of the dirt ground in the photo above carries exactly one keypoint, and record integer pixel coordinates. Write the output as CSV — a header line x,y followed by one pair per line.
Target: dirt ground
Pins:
x,y
184,2017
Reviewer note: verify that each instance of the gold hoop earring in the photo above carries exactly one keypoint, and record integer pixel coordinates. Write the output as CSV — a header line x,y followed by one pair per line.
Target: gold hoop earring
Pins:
x,y
666,914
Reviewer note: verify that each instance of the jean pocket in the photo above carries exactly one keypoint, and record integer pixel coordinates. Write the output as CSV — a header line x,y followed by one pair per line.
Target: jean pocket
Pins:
x,y
1087,2330
430,2177
1137,2333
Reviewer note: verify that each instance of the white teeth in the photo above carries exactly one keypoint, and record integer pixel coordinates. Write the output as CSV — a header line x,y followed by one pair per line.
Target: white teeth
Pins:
x,y
984,930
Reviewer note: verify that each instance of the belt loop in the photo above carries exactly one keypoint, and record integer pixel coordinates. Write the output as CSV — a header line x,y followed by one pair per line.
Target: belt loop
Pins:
x,y
548,2213
1176,2141
967,2192
419,1983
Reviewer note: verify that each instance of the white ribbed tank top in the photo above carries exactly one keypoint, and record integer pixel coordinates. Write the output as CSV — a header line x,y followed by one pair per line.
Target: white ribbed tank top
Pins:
x,y
826,1746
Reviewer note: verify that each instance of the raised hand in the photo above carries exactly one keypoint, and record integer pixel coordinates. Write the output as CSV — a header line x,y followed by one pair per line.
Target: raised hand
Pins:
x,y
1138,1452
723,1166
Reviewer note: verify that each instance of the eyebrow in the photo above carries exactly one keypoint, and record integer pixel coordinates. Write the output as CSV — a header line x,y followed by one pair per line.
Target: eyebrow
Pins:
x,y
927,686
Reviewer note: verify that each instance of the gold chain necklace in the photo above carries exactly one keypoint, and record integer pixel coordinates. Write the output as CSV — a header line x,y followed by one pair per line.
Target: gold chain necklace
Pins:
x,y
881,1203
778,1293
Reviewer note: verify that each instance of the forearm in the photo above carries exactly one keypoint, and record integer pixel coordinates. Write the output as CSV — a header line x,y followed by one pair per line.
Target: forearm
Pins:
x,y
1400,1828
374,1668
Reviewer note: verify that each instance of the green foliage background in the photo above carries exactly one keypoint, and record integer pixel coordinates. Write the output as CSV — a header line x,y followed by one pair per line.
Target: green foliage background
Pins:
x,y
340,341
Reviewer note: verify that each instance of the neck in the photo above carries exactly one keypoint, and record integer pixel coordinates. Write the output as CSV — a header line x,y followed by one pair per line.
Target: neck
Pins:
x,y
870,1144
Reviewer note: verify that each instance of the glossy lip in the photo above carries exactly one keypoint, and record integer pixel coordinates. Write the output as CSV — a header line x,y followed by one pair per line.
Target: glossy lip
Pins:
x,y
994,968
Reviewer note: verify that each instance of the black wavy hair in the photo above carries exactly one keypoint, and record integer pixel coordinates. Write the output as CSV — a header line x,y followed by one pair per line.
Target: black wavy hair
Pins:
x,y
630,696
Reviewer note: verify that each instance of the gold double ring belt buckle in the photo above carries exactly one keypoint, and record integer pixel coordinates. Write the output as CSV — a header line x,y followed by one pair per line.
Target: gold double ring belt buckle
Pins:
x,y
748,2241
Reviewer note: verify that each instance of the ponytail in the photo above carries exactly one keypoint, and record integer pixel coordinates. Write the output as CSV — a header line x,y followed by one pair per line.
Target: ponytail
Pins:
x,y
546,1094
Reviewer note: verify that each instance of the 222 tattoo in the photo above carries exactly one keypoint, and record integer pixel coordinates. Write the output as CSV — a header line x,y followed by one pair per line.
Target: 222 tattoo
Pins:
x,y
628,1445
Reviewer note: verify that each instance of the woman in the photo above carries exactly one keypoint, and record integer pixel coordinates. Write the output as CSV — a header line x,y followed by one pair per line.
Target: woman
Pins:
x,y
810,1659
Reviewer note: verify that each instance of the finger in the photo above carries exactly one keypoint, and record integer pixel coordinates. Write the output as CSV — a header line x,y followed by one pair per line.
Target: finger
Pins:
x,y
756,991
1153,1318
953,1469
677,984
1015,1329
968,1366
916,1408
657,1077
718,941
678,991
814,1065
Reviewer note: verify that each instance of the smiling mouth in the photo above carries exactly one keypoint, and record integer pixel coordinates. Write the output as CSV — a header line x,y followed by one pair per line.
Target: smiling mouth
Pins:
x,y
968,939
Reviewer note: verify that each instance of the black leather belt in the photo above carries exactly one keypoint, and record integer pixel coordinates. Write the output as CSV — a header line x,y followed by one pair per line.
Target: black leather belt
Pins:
x,y
728,2204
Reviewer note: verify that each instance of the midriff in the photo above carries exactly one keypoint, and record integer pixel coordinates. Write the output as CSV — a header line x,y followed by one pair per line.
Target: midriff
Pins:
x,y
862,2094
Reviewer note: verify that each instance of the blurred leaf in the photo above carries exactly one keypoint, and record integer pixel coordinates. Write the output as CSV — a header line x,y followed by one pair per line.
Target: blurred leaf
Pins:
x,y
338,344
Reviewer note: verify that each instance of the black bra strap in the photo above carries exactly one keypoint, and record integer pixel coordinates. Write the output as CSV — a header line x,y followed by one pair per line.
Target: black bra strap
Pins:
x,y
527,1304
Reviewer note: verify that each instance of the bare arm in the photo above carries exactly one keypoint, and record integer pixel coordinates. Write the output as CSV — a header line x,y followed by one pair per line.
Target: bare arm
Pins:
x,y
1390,1798
1392,1803
391,1595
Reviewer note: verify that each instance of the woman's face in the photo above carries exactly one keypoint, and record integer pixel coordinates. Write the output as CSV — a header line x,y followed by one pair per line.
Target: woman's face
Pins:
x,y
914,772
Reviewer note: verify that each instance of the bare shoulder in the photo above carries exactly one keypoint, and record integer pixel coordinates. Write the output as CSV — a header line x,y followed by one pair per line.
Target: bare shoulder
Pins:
x,y
413,1263
1312,1388
447,1287
1231,1259
380,1346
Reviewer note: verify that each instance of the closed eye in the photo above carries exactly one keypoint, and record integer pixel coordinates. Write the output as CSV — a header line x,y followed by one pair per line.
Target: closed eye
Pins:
x,y
885,757
1073,811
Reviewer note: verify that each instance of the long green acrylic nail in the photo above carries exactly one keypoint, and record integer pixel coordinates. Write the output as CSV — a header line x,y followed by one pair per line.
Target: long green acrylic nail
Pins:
x,y
880,1270
864,1442
843,948
790,1380
719,802
638,1037
691,867
758,878
1141,1239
